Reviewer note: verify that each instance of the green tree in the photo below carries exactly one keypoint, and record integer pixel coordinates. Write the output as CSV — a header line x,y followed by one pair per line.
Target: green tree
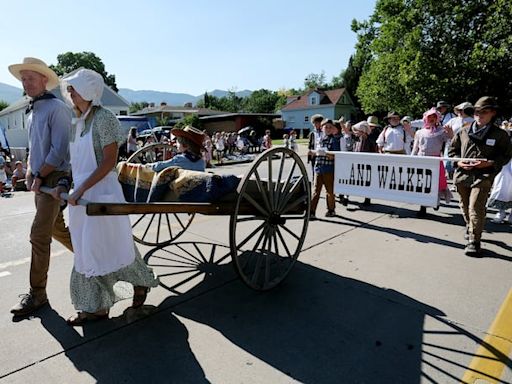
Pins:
x,y
69,61
135,107
192,119
414,52
315,80
3,105
262,101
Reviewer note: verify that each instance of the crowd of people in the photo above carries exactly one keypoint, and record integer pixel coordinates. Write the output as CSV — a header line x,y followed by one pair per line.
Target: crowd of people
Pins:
x,y
482,149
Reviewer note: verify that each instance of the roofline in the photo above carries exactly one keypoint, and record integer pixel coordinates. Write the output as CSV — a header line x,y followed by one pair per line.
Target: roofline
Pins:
x,y
239,114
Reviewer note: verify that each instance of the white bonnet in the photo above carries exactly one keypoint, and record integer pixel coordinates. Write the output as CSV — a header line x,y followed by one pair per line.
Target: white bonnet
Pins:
x,y
87,83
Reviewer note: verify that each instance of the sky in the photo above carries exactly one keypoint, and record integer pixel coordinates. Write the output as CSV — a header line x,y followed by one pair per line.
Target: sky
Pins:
x,y
188,46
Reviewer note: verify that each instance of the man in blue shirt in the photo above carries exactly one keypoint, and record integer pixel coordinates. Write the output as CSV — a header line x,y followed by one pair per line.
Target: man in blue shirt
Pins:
x,y
49,122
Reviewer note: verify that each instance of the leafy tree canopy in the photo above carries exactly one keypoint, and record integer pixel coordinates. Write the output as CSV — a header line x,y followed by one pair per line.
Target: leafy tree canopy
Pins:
x,y
69,61
411,53
3,105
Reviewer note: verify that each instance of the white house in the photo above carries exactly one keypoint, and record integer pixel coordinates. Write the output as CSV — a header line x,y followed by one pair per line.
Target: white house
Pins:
x,y
14,119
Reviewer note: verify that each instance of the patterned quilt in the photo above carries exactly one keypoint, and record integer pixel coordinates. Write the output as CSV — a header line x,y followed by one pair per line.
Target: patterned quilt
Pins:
x,y
141,184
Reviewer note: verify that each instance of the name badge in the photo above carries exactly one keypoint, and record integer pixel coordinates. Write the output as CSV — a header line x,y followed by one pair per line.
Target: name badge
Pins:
x,y
490,142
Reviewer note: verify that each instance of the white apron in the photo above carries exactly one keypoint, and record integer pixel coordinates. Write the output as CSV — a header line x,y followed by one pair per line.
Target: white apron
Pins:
x,y
101,244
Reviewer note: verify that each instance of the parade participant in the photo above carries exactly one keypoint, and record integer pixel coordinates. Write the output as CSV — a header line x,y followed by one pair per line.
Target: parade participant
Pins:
x,y
324,169
490,146
443,108
100,262
429,141
501,192
189,141
293,141
394,138
464,112
314,138
48,123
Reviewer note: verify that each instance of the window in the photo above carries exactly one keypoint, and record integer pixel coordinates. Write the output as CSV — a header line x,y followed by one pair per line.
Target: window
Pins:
x,y
313,100
306,118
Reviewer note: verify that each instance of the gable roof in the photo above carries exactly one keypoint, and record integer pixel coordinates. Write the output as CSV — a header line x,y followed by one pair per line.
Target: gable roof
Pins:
x,y
330,97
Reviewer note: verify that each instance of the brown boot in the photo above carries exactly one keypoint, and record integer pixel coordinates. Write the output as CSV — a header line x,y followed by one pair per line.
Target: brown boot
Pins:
x,y
28,304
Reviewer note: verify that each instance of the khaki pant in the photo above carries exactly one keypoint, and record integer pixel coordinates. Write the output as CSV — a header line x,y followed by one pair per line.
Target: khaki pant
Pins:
x,y
326,179
473,201
48,222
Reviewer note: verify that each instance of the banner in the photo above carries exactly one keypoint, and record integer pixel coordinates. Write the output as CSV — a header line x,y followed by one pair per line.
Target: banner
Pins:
x,y
402,178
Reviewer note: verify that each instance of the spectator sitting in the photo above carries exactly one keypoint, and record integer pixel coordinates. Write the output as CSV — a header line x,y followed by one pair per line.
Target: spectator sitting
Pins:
x,y
189,141
18,177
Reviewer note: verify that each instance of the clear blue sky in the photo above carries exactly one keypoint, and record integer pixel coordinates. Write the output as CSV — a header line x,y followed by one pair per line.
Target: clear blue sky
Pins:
x,y
188,46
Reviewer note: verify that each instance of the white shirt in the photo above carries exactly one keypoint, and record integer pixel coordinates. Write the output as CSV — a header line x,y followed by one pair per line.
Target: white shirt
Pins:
x,y
391,139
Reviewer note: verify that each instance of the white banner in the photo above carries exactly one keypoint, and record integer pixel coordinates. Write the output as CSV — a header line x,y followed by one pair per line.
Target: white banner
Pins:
x,y
407,179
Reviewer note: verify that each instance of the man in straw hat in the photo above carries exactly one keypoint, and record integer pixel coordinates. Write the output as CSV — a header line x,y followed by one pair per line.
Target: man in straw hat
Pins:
x,y
48,122
190,145
394,138
490,146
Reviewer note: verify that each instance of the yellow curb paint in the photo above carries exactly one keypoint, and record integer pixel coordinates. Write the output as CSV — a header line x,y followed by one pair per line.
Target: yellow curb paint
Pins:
x,y
487,366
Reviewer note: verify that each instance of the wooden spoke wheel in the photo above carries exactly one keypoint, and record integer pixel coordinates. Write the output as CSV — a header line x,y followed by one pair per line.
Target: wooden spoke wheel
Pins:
x,y
269,224
157,229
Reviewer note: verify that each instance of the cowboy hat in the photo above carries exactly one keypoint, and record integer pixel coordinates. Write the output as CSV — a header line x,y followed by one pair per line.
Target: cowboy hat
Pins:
x,y
442,103
362,126
406,118
486,102
189,132
463,106
391,114
373,121
316,117
36,65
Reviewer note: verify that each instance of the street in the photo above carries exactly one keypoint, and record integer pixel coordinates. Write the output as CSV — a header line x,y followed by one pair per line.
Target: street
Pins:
x,y
377,296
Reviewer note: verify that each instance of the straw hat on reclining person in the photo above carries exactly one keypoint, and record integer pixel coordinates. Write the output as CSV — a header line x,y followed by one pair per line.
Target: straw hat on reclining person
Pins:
x,y
189,132
35,65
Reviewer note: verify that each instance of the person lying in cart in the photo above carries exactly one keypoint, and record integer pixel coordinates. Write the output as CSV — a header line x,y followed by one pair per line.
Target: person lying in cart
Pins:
x,y
189,141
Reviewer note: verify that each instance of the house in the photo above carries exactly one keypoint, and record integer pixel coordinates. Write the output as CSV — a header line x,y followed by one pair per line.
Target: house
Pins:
x,y
332,104
169,115
14,119
233,122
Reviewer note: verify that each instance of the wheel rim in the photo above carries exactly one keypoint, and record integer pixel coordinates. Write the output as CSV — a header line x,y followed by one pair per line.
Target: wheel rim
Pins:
x,y
157,229
266,244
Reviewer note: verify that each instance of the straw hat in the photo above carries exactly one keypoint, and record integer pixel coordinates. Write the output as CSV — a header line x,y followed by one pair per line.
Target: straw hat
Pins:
x,y
36,65
189,132
316,117
391,114
373,121
362,126
463,106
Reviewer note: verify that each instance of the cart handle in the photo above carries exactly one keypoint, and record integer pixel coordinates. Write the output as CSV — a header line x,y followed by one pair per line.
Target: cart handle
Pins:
x,y
64,196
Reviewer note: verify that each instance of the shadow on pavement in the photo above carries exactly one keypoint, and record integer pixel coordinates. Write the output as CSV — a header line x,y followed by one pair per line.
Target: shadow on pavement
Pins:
x,y
317,327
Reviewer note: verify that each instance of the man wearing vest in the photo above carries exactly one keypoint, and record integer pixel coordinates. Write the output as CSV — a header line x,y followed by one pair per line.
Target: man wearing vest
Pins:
x,y
314,138
490,146
394,138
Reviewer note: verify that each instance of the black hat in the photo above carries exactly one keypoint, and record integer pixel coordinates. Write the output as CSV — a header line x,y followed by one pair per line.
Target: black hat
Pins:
x,y
486,102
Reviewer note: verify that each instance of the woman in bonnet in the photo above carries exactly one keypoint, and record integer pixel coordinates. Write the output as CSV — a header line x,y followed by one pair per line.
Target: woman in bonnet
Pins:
x,y
104,251
429,141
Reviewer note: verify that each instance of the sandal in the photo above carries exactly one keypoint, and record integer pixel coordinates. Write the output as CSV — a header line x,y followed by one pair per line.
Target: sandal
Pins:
x,y
81,318
139,296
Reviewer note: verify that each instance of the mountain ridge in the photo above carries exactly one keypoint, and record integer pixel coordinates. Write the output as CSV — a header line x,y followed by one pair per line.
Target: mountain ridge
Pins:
x,y
10,94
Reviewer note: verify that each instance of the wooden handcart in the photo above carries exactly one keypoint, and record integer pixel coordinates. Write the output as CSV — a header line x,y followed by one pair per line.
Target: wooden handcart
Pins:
x,y
269,215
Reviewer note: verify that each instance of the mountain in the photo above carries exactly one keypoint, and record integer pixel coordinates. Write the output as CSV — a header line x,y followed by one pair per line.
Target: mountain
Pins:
x,y
175,99
9,93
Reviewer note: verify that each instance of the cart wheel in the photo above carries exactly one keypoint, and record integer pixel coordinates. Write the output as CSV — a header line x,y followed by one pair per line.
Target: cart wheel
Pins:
x,y
270,220
157,229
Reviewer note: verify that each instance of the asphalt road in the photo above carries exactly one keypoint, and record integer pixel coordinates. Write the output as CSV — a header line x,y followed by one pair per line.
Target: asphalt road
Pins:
x,y
378,296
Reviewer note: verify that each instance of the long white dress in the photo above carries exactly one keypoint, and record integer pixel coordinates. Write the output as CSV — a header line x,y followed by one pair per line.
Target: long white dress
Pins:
x,y
104,251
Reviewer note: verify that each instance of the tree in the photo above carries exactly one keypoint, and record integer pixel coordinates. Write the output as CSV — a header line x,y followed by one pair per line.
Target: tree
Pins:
x,y
69,61
262,101
315,80
135,107
192,119
3,105
415,52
